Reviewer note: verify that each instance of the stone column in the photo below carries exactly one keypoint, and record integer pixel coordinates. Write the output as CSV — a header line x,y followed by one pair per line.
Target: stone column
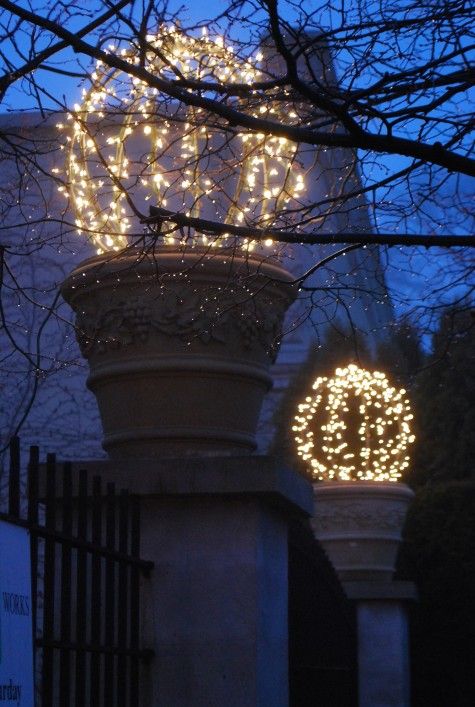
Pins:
x,y
383,641
215,608
359,525
179,345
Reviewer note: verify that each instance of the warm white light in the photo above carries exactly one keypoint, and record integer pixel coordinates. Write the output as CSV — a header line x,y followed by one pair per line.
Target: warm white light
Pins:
x,y
355,426
102,163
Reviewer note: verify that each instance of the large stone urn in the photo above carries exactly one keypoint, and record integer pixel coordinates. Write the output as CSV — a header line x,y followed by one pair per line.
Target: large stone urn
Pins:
x,y
179,345
359,525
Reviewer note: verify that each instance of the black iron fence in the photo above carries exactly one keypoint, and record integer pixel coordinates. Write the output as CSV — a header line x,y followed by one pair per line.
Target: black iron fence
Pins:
x,y
86,572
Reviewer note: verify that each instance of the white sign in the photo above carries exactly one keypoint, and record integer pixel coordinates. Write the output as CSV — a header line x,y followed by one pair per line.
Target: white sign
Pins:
x,y
16,632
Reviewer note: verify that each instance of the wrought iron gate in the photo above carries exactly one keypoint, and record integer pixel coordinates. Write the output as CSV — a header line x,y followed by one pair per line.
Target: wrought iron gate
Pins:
x,y
86,573
322,628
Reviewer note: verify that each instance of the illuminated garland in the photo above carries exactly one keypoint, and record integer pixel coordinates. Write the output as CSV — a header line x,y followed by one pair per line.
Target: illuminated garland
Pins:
x,y
104,175
354,427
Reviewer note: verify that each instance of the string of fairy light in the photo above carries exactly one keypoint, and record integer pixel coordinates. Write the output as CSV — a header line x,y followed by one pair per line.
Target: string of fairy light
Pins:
x,y
354,426
181,165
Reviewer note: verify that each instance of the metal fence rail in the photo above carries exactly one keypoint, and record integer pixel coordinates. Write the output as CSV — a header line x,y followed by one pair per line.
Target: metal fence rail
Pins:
x,y
86,571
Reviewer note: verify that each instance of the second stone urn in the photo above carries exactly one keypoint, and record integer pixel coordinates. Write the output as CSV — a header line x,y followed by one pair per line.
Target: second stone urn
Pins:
x,y
359,525
179,345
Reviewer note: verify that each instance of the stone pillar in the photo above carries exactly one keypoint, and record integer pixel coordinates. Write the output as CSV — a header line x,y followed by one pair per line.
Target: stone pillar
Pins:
x,y
215,607
383,641
359,525
179,345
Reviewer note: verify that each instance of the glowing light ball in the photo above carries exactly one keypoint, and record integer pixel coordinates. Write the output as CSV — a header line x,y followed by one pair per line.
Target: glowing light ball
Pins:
x,y
354,426
193,162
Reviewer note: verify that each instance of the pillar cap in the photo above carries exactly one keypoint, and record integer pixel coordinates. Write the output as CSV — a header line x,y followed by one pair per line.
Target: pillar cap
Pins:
x,y
257,476
374,590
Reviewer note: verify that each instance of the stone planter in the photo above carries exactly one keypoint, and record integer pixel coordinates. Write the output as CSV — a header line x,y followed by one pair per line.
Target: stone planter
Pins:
x,y
359,526
179,345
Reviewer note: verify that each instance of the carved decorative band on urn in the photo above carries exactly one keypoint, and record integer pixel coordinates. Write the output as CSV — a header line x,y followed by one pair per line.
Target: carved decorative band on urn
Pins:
x,y
179,345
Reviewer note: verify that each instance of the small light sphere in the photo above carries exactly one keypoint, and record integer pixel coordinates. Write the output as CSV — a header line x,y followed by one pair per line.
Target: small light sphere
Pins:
x,y
355,427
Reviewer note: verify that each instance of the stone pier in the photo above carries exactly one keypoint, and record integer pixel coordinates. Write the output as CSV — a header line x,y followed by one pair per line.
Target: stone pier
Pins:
x,y
383,641
214,611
